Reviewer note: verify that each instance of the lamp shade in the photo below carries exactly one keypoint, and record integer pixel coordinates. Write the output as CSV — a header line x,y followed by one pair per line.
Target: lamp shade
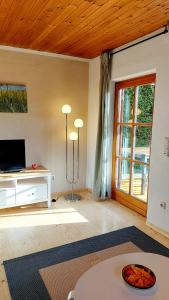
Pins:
x,y
66,109
73,136
78,123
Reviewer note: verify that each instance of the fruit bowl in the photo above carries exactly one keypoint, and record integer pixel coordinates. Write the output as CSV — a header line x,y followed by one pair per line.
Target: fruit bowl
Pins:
x,y
138,276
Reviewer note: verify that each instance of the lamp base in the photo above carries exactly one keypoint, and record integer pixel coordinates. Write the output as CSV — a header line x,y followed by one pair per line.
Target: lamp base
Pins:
x,y
72,197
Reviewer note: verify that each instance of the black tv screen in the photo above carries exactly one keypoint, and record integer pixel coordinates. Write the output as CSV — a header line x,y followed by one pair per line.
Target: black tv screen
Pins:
x,y
12,155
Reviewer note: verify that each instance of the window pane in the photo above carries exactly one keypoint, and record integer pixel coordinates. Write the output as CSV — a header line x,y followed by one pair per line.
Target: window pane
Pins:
x,y
118,136
142,143
140,181
120,100
125,141
127,113
126,100
123,175
145,102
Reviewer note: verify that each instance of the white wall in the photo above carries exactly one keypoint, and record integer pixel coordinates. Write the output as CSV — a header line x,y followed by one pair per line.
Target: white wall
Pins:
x,y
149,57
51,83
92,121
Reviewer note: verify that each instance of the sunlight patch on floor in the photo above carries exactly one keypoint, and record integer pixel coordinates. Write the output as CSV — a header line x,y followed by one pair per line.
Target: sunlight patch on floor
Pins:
x,y
38,212
41,218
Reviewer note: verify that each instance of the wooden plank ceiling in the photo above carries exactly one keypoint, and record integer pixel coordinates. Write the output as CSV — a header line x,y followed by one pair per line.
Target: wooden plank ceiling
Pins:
x,y
83,28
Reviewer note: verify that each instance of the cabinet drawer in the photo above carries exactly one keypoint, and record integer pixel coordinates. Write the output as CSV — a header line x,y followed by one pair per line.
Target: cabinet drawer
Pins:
x,y
28,194
7,198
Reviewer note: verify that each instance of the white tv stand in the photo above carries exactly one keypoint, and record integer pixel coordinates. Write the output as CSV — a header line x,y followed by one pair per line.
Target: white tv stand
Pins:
x,y
25,187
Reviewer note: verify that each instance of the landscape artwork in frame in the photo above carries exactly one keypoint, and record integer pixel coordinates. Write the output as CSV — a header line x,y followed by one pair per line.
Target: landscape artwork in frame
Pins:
x,y
13,98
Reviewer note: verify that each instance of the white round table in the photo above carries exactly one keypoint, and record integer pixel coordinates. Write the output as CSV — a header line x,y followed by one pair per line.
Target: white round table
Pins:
x,y
104,281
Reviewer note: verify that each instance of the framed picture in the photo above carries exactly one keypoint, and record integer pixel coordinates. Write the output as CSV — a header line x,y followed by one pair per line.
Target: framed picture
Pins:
x,y
13,98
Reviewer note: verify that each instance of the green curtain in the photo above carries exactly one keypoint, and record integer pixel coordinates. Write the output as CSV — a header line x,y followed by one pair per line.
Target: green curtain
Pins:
x,y
103,158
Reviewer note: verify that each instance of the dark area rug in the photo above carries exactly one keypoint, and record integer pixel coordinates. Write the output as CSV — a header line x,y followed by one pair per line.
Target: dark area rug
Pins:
x,y
25,282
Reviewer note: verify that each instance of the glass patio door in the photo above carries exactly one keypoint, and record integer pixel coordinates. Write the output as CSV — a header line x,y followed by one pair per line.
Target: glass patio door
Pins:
x,y
132,141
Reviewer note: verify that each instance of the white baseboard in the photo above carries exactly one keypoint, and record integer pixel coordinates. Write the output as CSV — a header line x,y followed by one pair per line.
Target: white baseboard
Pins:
x,y
159,230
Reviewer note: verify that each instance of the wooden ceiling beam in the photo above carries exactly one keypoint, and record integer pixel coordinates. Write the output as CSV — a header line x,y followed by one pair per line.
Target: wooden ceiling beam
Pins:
x,y
56,22
78,27
88,23
128,26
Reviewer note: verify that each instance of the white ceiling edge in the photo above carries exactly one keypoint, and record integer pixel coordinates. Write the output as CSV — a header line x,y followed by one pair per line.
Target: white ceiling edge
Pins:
x,y
135,75
140,39
43,53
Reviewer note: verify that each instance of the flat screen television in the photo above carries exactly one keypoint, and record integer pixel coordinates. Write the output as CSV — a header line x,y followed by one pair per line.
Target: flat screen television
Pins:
x,y
12,155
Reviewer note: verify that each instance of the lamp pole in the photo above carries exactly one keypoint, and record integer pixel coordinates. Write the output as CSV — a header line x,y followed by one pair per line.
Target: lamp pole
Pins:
x,y
78,156
66,147
66,109
78,124
73,137
73,166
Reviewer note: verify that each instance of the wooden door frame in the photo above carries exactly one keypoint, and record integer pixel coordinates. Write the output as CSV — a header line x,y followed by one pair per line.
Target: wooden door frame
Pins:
x,y
125,199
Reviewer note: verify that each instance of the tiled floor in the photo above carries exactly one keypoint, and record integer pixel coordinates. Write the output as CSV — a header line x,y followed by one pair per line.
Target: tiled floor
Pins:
x,y
34,228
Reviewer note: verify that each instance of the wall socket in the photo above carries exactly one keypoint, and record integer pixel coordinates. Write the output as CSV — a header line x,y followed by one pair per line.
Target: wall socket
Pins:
x,y
163,205
166,147
53,177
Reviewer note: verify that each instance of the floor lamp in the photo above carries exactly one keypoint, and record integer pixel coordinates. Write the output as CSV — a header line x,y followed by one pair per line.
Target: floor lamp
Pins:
x,y
74,137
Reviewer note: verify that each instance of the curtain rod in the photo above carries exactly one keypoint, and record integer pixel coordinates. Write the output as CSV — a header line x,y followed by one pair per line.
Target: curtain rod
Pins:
x,y
147,39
